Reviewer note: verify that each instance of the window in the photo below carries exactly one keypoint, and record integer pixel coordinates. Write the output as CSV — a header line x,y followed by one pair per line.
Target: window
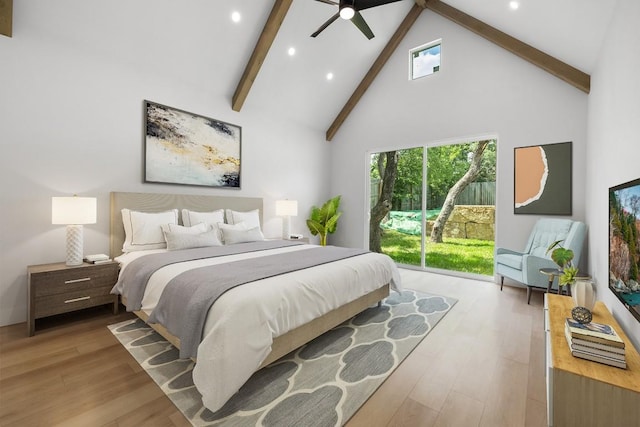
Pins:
x,y
424,60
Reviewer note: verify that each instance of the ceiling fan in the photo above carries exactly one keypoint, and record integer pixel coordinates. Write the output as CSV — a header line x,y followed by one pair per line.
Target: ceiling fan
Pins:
x,y
350,10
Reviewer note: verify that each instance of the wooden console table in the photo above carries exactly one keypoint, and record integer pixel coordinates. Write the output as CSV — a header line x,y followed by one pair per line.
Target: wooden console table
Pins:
x,y
584,393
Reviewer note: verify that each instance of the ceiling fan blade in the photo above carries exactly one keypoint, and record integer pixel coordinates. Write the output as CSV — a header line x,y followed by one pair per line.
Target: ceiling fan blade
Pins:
x,y
326,24
359,22
367,4
329,2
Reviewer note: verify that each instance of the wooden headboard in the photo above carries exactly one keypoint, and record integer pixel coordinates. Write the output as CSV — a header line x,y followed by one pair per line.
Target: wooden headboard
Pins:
x,y
158,202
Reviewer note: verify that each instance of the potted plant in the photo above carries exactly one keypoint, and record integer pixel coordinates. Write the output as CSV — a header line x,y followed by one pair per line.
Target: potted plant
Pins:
x,y
324,220
583,289
563,257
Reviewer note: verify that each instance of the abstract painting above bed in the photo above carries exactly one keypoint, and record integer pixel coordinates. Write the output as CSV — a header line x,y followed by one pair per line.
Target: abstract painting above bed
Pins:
x,y
187,148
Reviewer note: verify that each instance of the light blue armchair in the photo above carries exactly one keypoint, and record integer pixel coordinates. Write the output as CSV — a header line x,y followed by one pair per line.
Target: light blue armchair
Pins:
x,y
524,267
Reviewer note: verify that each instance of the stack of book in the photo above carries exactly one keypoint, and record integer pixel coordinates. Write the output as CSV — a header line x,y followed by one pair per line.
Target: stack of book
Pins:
x,y
596,342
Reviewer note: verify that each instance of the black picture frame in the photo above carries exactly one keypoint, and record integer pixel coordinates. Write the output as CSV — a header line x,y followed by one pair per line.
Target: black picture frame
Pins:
x,y
185,148
624,244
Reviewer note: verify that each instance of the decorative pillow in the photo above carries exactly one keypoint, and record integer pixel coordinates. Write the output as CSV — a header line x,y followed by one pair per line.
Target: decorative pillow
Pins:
x,y
251,218
239,226
233,236
179,229
143,230
190,218
176,241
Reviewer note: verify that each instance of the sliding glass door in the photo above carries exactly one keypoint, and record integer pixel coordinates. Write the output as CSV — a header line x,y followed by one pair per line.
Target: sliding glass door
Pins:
x,y
433,206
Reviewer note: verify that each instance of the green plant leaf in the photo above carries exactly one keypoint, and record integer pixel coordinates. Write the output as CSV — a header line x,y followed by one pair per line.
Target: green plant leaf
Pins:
x,y
568,275
562,256
315,227
324,219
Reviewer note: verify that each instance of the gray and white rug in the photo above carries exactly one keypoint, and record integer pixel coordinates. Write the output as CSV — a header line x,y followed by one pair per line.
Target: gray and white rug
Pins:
x,y
323,383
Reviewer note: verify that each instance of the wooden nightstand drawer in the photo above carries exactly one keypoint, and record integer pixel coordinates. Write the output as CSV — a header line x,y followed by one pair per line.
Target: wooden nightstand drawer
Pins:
x,y
57,288
63,281
63,303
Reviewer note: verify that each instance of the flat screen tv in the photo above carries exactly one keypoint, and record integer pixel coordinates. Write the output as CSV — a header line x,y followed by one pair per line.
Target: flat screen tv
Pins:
x,y
624,244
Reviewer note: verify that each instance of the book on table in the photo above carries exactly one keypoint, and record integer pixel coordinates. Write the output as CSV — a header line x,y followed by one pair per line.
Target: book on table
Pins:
x,y
608,352
601,359
594,332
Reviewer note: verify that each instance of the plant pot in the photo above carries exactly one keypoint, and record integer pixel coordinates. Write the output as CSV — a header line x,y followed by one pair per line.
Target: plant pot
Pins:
x,y
583,293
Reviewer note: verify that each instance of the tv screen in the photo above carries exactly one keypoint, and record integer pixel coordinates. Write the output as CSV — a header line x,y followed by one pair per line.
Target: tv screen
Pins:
x,y
624,244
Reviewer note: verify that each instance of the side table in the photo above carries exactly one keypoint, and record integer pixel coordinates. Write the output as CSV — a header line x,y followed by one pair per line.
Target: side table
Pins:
x,y
57,288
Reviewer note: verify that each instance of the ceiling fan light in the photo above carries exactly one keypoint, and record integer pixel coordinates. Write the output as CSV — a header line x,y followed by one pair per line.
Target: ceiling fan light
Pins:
x,y
347,12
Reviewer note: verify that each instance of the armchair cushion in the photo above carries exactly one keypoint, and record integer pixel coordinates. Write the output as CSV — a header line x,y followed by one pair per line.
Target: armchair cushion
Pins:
x,y
510,260
524,267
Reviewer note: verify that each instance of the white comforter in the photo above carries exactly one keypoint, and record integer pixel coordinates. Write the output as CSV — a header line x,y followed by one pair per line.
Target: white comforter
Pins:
x,y
243,322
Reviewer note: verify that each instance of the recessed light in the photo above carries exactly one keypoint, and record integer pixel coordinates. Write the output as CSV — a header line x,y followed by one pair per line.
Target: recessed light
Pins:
x,y
329,76
235,16
291,51
514,5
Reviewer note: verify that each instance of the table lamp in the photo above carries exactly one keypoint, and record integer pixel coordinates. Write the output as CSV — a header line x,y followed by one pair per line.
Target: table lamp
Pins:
x,y
286,209
73,212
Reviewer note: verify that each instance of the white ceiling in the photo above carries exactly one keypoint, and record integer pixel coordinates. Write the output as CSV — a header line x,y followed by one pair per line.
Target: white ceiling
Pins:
x,y
570,30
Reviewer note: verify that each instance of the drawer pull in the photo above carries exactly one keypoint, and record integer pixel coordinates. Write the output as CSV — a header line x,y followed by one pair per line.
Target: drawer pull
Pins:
x,y
77,299
84,279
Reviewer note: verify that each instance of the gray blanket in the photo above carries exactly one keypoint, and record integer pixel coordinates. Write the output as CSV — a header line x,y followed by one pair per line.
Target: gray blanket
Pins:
x,y
134,278
199,288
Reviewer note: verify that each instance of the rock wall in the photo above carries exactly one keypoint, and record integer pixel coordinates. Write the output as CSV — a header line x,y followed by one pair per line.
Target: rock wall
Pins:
x,y
470,222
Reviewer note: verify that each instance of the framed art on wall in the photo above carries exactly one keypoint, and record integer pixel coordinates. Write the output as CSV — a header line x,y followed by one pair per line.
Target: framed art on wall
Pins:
x,y
542,179
190,149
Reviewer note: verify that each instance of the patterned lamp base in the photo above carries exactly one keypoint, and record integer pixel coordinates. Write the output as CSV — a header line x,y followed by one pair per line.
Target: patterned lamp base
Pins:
x,y
74,245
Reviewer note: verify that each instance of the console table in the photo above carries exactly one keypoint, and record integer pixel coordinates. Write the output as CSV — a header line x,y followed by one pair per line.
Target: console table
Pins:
x,y
584,393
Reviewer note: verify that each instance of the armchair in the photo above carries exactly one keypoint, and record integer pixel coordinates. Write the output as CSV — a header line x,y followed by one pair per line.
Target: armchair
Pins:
x,y
524,267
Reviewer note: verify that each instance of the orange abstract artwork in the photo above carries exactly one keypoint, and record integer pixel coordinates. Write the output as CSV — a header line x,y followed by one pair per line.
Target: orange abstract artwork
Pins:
x,y
531,174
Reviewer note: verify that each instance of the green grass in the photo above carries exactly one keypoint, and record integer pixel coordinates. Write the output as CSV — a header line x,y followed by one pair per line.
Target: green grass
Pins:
x,y
467,255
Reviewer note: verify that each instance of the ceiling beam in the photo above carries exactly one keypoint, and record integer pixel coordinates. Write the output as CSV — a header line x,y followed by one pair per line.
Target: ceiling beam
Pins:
x,y
269,32
377,66
6,17
563,71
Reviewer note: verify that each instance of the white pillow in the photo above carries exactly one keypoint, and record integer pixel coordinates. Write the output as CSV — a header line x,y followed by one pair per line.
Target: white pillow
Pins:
x,y
233,236
179,229
143,230
179,240
190,218
239,226
251,218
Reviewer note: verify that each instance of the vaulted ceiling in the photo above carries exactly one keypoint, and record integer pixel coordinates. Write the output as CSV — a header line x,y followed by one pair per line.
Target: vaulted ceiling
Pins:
x,y
561,37
296,86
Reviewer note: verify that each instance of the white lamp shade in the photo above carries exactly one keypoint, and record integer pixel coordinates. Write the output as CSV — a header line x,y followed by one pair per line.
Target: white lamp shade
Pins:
x,y
286,207
73,210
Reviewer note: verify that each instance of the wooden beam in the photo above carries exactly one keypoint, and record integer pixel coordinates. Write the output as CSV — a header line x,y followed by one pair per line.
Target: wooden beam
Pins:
x,y
6,17
377,66
269,32
563,71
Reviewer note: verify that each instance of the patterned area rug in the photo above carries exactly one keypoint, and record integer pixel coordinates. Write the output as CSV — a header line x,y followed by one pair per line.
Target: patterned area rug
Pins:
x,y
320,384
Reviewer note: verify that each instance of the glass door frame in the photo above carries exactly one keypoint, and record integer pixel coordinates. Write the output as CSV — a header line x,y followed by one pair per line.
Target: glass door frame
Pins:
x,y
425,148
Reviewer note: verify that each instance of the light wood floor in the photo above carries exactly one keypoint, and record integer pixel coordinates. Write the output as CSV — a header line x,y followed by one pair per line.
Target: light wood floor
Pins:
x,y
483,365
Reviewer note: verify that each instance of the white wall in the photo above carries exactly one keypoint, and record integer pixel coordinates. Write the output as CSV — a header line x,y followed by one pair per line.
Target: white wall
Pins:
x,y
480,90
74,77
613,149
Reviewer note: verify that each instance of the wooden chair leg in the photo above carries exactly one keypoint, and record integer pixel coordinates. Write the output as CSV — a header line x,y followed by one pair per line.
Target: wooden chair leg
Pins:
x,y
501,282
528,294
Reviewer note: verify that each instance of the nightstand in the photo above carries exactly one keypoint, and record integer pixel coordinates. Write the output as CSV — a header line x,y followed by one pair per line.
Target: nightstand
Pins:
x,y
57,288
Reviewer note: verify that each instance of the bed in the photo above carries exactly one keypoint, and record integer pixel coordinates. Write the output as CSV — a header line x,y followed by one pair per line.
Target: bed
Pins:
x,y
252,325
